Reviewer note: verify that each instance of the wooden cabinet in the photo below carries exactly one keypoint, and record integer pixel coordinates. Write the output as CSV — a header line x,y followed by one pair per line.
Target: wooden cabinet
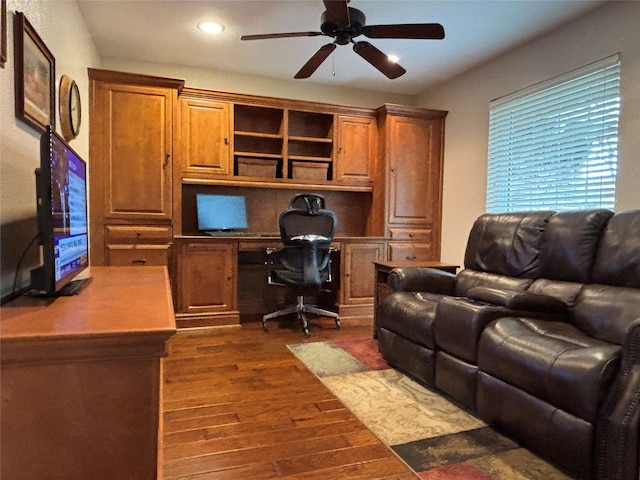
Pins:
x,y
355,149
206,143
357,276
206,279
81,379
137,245
131,155
409,181
237,139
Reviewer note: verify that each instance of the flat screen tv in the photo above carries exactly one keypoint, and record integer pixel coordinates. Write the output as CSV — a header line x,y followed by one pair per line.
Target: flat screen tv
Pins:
x,y
221,213
61,190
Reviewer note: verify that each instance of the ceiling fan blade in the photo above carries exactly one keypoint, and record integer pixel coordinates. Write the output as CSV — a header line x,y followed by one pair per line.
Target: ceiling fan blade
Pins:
x,y
430,31
378,59
314,62
265,36
338,11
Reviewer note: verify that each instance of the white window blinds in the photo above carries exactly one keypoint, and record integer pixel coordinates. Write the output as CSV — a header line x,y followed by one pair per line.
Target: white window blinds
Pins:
x,y
555,145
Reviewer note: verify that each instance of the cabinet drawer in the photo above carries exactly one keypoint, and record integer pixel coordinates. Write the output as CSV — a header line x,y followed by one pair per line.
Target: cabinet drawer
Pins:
x,y
413,234
137,234
410,251
146,255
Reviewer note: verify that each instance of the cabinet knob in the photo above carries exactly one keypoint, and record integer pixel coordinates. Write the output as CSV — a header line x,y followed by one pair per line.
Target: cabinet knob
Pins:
x,y
226,141
412,257
139,262
166,160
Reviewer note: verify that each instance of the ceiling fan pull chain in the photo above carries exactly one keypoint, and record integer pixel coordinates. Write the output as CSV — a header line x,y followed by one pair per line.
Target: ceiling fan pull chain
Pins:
x,y
333,64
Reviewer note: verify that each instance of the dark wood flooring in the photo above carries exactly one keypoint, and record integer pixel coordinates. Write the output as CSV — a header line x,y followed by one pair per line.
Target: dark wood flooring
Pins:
x,y
239,405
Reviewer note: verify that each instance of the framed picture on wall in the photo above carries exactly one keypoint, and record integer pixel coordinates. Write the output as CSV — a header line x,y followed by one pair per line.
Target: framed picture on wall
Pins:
x,y
35,75
3,33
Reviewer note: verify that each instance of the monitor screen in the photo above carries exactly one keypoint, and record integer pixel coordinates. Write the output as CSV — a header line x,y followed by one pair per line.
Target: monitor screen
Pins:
x,y
62,214
221,212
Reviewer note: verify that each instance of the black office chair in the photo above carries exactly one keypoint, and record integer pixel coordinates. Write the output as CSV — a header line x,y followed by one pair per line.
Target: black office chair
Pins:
x,y
306,230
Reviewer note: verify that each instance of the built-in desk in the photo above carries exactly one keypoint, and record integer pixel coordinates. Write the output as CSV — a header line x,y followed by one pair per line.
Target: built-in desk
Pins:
x,y
223,280
80,380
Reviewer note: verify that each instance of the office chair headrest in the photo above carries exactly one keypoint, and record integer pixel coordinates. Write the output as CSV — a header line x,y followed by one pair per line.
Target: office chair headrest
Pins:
x,y
311,202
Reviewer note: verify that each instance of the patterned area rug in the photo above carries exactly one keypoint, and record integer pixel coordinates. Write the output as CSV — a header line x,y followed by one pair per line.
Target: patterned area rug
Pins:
x,y
433,436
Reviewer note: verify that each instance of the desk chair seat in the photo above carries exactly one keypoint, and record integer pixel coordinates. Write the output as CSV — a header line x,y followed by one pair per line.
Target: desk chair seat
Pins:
x,y
307,230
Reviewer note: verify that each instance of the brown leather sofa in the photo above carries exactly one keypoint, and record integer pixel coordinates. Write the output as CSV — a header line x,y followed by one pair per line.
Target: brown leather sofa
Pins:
x,y
539,334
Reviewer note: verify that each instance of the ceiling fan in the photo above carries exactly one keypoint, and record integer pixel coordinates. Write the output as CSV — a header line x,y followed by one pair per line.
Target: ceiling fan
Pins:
x,y
343,24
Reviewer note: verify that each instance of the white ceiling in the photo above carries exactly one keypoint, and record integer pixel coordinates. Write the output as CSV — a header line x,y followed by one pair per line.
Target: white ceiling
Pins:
x,y
476,30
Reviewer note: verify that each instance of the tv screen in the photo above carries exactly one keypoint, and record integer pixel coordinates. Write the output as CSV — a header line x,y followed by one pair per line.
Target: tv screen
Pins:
x,y
61,189
221,212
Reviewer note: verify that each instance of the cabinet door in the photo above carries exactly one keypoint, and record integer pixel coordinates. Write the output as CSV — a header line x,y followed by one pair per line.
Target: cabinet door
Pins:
x,y
355,148
205,140
136,126
206,275
358,274
414,170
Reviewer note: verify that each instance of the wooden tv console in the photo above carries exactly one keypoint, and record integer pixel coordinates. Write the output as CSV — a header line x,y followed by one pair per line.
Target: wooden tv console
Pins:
x,y
80,380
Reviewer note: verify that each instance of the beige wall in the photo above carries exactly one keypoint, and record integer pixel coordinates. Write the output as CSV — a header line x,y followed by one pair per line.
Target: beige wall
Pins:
x,y
61,27
605,31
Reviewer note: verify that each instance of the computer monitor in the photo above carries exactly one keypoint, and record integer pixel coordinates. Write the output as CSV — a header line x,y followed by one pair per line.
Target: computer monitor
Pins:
x,y
61,190
221,213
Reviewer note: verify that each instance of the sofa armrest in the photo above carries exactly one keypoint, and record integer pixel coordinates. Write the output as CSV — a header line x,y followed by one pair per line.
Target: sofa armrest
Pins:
x,y
617,429
421,279
518,300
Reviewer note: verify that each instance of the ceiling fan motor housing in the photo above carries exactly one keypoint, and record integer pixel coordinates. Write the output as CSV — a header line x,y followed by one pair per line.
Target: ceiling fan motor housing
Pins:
x,y
343,33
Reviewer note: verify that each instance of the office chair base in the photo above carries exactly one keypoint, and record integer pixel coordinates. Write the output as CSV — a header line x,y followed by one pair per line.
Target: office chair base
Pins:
x,y
300,308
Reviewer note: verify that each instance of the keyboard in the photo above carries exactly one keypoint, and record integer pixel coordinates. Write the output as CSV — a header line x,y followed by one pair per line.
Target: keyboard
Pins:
x,y
226,233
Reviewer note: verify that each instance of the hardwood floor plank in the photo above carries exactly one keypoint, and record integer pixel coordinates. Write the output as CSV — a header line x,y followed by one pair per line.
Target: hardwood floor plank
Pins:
x,y
274,437
237,404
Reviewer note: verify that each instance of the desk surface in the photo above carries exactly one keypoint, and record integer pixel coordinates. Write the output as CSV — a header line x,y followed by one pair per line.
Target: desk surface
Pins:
x,y
121,306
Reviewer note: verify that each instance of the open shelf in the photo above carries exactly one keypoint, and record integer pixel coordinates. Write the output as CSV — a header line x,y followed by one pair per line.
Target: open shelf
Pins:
x,y
262,120
310,124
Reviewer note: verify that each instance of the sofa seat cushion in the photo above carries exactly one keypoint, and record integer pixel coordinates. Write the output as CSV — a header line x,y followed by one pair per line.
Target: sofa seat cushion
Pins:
x,y
554,361
410,315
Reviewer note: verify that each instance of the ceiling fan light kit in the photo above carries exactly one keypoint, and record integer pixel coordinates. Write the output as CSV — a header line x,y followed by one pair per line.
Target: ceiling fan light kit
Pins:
x,y
343,24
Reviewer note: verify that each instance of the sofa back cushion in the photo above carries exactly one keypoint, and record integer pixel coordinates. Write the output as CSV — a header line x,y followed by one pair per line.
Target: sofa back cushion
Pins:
x,y
618,258
570,243
506,244
605,312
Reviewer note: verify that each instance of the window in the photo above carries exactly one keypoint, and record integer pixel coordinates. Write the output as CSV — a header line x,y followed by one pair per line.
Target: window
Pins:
x,y
555,145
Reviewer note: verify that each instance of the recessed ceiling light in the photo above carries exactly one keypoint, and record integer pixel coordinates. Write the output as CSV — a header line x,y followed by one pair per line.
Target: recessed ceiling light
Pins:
x,y
393,58
212,28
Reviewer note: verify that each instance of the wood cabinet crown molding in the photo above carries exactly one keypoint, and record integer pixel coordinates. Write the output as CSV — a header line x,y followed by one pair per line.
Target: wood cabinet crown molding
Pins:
x,y
407,111
114,76
276,102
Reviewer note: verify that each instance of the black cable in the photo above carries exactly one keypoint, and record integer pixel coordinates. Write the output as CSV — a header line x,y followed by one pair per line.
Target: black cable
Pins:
x,y
22,257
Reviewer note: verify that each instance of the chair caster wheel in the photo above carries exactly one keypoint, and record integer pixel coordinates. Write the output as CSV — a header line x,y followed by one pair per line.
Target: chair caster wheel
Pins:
x,y
338,325
264,328
305,333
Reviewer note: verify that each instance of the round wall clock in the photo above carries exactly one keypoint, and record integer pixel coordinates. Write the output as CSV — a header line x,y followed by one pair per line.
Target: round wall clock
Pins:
x,y
70,108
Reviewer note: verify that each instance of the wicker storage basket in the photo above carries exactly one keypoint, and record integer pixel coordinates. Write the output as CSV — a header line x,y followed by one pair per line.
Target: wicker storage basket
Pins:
x,y
257,167
309,170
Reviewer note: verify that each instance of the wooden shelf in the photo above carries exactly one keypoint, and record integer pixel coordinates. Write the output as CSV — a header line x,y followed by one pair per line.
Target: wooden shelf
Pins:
x,y
258,134
310,159
310,139
257,155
